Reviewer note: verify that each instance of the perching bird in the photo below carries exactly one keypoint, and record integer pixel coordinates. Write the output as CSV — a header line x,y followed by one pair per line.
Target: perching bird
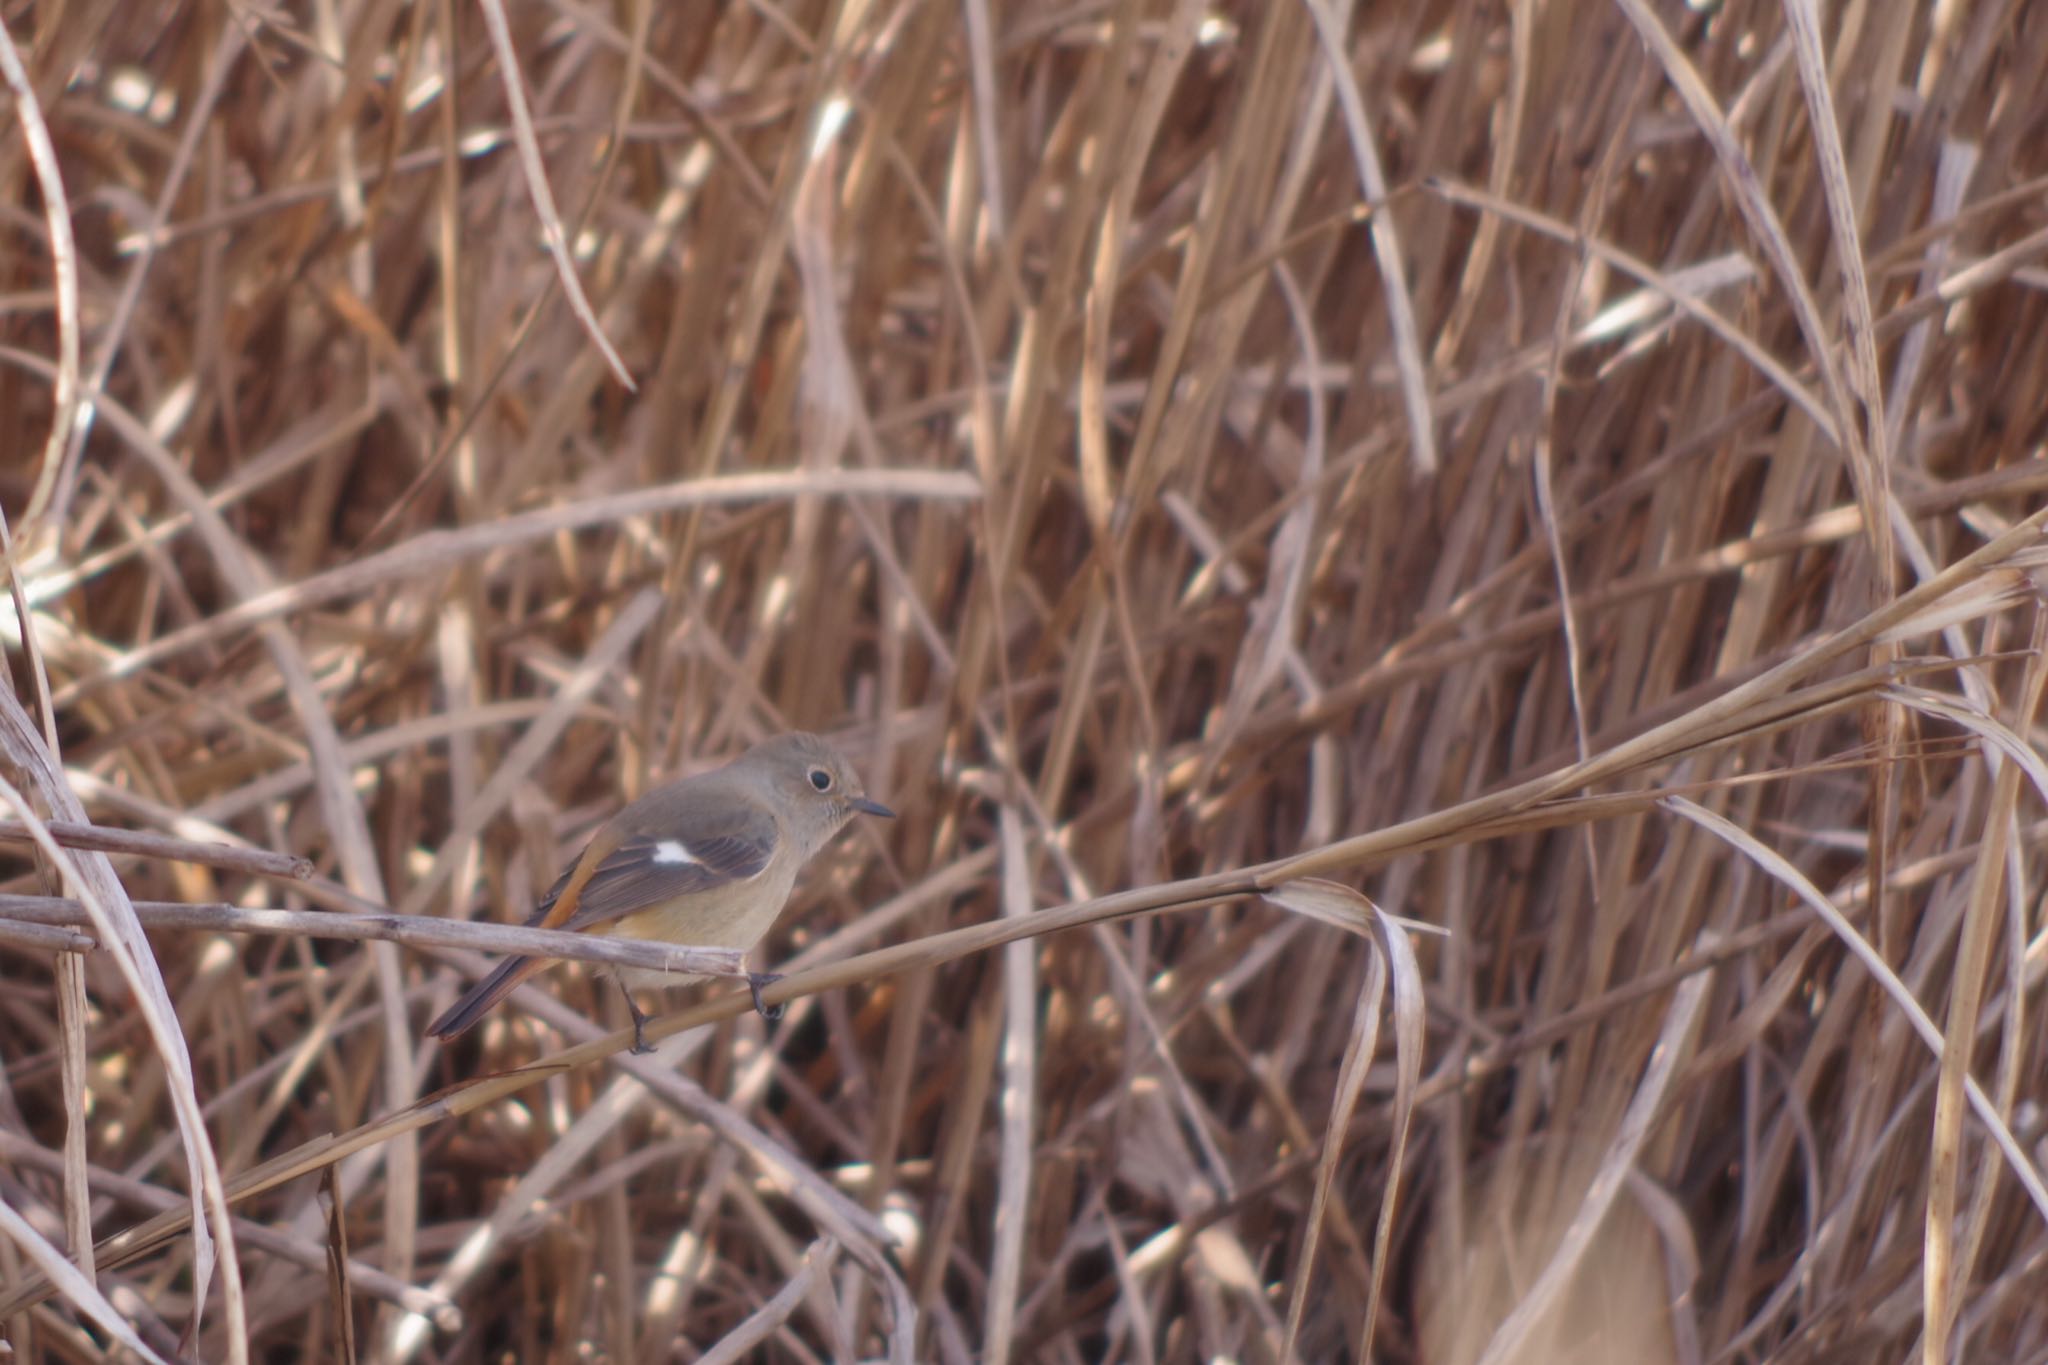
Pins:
x,y
708,862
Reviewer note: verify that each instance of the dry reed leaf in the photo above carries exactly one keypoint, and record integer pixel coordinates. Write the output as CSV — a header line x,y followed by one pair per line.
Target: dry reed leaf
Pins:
x,y
76,1288
1763,221
1665,285
1992,902
64,272
1392,964
2020,1164
1330,21
341,1296
92,879
1987,728
557,239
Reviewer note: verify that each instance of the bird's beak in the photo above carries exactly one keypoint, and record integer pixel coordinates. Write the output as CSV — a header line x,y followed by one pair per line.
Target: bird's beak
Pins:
x,y
867,805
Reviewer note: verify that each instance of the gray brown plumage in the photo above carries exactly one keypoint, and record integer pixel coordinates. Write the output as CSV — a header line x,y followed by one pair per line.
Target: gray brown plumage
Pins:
x,y
708,861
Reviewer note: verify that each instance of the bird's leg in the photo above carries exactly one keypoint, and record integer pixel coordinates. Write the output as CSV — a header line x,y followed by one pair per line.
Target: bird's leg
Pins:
x,y
641,1047
755,981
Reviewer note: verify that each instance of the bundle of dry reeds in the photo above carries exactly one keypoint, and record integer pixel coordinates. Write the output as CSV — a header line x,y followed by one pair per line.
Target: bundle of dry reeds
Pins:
x,y
1566,471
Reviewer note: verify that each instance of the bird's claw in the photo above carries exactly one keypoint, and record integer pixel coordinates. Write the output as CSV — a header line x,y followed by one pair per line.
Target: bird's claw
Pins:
x,y
755,981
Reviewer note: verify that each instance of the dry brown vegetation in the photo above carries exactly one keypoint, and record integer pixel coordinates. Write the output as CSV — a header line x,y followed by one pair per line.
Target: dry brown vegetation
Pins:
x,y
1562,469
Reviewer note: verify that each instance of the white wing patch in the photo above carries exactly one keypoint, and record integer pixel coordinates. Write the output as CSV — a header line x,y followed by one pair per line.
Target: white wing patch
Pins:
x,y
674,851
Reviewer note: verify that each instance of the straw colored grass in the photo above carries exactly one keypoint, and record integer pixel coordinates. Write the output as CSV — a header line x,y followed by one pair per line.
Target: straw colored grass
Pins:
x,y
1450,597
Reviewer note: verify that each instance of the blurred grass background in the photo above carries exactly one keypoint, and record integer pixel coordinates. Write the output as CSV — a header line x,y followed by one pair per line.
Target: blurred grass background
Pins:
x,y
1503,456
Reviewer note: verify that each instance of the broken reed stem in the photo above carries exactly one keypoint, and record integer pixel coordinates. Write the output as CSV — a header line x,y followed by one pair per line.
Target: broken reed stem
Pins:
x,y
46,938
146,844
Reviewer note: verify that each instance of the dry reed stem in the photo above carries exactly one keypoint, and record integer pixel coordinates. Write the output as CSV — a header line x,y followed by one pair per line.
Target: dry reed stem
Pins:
x,y
414,931
1573,472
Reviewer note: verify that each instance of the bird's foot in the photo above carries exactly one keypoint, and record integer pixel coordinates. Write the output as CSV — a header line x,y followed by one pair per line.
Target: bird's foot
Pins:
x,y
755,981
641,1047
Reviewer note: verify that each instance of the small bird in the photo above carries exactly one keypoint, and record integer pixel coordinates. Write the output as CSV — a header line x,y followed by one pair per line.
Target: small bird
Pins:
x,y
708,862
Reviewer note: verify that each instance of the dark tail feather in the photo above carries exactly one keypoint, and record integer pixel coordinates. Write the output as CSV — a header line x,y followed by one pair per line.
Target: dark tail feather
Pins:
x,y
478,999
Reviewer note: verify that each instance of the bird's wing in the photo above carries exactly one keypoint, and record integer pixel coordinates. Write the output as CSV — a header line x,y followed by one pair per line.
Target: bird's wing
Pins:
x,y
649,868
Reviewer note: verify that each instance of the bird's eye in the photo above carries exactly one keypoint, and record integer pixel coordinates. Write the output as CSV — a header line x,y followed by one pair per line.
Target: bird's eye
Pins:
x,y
821,779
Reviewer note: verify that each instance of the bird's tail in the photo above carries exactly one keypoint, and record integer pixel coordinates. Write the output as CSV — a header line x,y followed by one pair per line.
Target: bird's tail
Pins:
x,y
478,999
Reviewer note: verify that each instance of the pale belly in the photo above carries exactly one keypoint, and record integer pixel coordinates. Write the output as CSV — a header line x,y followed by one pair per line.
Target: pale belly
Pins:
x,y
732,917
